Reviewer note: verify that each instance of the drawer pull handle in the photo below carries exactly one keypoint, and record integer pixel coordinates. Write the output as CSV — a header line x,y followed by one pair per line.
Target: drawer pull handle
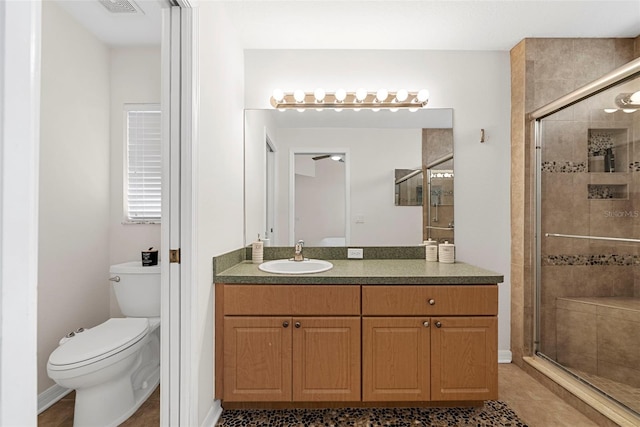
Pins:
x,y
285,324
432,302
297,324
438,324
425,324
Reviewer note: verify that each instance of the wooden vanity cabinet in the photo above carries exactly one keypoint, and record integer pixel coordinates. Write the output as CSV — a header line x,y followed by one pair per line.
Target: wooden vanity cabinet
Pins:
x,y
350,343
464,358
396,359
450,354
298,356
257,359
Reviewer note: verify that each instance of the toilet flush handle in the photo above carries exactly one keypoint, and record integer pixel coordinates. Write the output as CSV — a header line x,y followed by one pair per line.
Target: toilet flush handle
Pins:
x,y
114,279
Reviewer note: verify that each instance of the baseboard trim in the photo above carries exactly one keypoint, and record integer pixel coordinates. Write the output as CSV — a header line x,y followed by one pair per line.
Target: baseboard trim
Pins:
x,y
51,396
213,415
505,356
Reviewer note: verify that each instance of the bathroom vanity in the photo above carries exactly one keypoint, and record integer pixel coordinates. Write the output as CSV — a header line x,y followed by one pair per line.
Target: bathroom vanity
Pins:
x,y
367,332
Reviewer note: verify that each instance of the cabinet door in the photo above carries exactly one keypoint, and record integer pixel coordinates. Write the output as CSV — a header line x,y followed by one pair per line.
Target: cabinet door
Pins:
x,y
396,359
257,359
326,359
464,358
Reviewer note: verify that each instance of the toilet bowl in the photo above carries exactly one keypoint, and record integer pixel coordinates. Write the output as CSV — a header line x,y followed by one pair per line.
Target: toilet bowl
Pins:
x,y
114,366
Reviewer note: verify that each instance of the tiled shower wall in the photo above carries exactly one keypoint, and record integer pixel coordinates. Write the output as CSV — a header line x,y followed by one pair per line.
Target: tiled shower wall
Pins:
x,y
577,201
543,70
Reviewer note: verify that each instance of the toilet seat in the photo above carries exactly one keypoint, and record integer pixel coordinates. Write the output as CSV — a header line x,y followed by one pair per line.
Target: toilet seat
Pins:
x,y
98,343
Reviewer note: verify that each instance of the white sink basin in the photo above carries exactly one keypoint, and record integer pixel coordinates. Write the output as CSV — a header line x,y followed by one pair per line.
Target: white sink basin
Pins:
x,y
286,266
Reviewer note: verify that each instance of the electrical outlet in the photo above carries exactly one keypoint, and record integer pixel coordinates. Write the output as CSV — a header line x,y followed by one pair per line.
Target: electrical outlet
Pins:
x,y
353,253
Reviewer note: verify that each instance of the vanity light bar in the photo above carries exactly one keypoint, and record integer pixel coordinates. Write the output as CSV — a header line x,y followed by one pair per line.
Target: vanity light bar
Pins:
x,y
340,99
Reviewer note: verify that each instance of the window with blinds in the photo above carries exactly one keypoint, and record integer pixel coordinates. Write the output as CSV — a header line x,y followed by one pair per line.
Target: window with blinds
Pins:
x,y
143,174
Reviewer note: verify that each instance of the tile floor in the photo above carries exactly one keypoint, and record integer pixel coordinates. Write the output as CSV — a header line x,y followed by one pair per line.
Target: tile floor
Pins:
x,y
534,404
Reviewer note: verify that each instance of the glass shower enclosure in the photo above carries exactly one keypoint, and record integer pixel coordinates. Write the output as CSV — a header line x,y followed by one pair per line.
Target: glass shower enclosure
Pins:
x,y
588,234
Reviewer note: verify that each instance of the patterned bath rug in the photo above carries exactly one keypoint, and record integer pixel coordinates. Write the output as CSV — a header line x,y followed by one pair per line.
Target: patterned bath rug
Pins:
x,y
492,413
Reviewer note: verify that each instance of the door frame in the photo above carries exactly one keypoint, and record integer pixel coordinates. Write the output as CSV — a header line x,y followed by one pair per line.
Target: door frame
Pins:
x,y
19,145
179,371
19,149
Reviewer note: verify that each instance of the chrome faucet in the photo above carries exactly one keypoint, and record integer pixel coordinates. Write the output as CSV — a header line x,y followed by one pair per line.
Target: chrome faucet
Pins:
x,y
298,251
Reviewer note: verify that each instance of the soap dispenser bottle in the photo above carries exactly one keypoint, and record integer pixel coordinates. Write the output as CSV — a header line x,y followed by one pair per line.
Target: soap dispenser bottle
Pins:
x,y
257,251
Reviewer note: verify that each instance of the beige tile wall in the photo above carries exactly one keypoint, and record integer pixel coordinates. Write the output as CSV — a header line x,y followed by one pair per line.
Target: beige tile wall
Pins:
x,y
543,70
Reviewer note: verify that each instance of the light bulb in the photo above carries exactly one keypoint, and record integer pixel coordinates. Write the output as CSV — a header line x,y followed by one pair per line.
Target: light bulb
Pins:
x,y
337,110
635,97
298,95
375,110
336,157
423,96
382,95
340,95
361,94
301,110
413,110
278,95
629,110
610,110
319,94
393,110
402,95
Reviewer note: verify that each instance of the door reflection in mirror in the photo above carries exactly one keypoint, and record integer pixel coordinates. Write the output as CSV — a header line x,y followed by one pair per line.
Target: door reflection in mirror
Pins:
x,y
320,202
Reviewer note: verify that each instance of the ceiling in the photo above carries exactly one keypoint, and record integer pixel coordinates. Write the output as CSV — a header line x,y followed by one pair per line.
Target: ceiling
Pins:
x,y
381,24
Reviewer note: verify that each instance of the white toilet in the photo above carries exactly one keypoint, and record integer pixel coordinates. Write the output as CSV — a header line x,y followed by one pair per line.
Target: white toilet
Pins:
x,y
115,366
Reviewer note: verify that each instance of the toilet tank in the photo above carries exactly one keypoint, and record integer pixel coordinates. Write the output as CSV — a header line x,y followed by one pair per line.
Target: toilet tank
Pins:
x,y
137,288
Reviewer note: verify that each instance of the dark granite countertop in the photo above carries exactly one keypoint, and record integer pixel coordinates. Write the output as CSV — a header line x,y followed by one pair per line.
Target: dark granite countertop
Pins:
x,y
367,271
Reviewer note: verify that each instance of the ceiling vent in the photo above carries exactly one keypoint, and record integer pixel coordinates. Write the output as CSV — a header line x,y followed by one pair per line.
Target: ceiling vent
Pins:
x,y
121,6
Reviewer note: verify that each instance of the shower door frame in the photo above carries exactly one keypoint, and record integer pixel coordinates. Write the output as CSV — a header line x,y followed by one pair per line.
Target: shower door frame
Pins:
x,y
626,72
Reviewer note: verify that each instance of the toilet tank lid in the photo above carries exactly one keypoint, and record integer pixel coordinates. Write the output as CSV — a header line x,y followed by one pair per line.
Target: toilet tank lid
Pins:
x,y
94,344
134,267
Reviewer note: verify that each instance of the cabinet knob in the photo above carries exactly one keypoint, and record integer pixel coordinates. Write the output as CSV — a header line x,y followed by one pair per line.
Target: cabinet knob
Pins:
x,y
285,324
297,324
425,324
438,324
432,301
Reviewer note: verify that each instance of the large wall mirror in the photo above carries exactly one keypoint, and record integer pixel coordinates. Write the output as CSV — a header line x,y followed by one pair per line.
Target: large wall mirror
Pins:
x,y
330,178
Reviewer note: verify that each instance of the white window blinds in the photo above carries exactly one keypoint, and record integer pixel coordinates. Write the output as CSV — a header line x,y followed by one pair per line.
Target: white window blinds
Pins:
x,y
143,183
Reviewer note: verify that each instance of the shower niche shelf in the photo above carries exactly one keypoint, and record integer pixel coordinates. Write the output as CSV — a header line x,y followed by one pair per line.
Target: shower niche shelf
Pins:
x,y
608,149
607,192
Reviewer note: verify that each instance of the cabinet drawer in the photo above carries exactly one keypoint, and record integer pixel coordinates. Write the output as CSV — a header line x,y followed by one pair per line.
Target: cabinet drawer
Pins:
x,y
454,300
256,300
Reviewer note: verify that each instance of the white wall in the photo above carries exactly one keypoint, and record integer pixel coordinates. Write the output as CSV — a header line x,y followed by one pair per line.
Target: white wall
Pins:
x,y
218,177
373,156
73,290
134,79
475,84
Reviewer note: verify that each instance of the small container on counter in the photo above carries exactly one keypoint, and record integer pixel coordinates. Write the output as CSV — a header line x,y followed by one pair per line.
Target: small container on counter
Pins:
x,y
430,249
446,253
